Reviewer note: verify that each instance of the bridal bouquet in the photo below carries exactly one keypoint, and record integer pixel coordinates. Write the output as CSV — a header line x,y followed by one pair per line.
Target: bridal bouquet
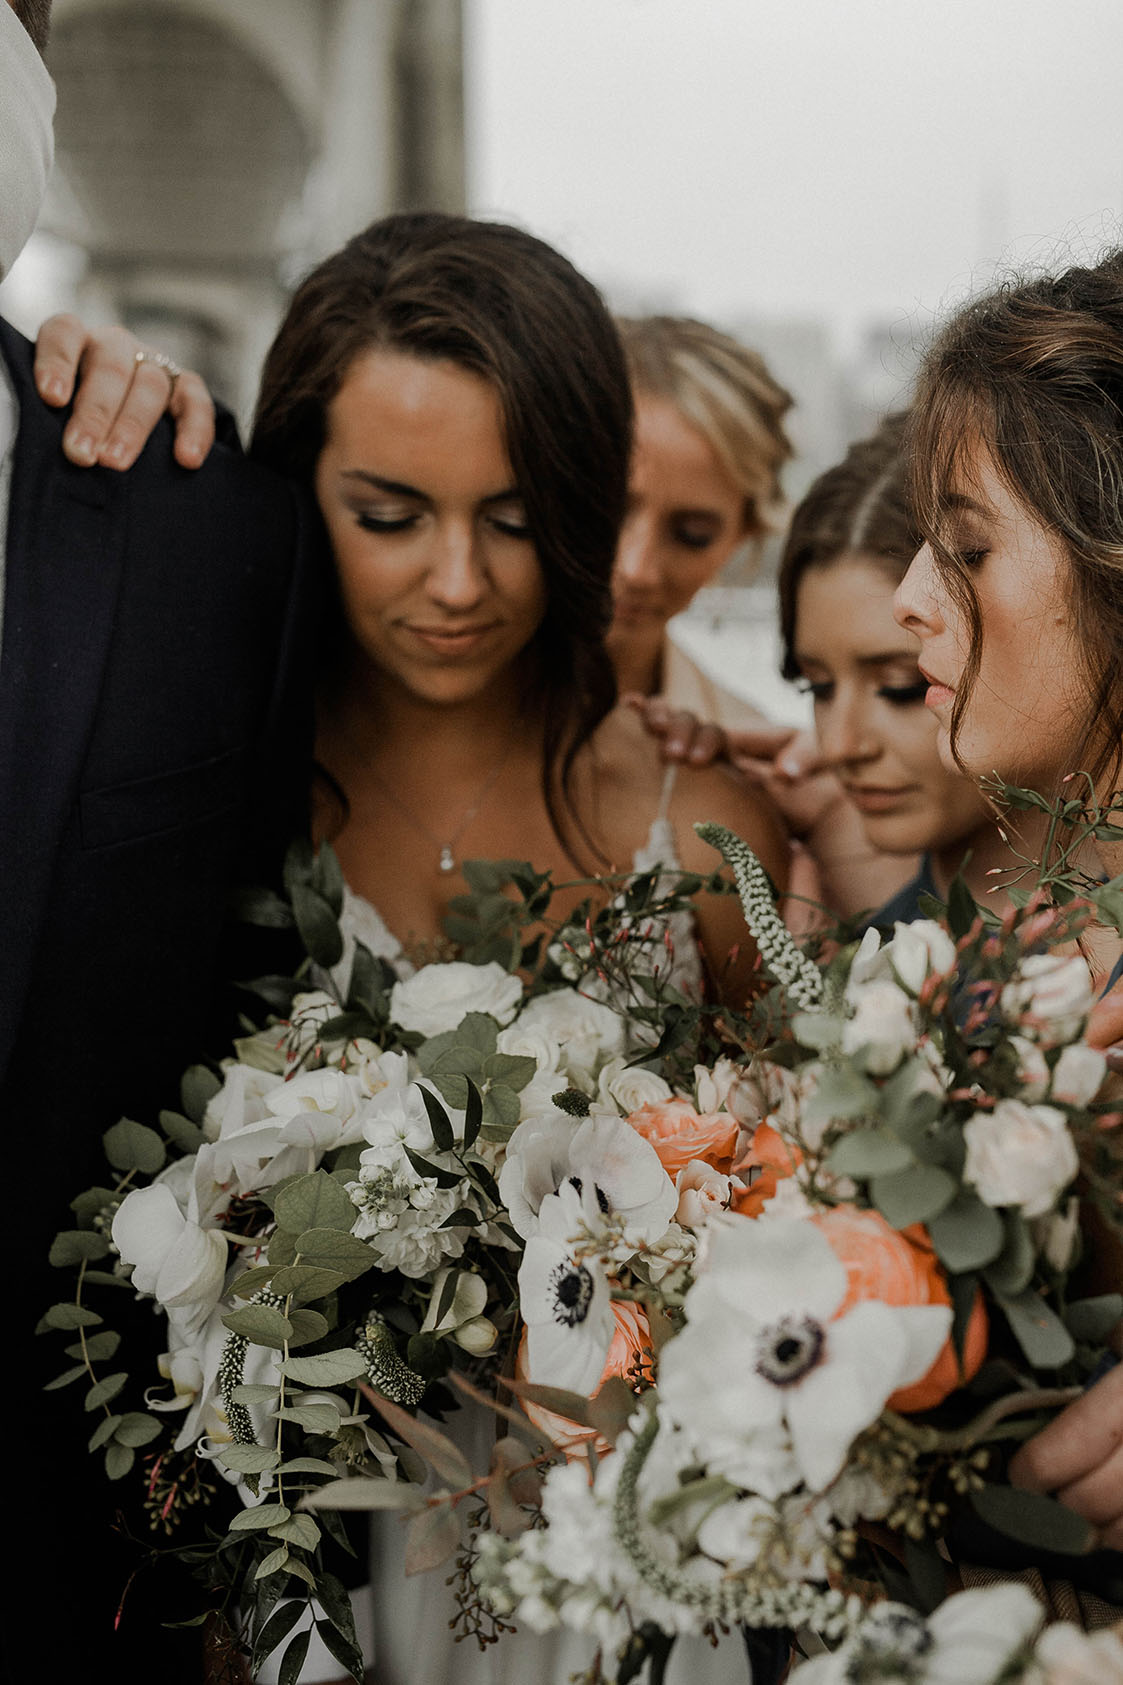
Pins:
x,y
371,1195
875,1297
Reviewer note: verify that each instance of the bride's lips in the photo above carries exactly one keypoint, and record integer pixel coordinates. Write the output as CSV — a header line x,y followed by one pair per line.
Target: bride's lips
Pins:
x,y
452,640
938,694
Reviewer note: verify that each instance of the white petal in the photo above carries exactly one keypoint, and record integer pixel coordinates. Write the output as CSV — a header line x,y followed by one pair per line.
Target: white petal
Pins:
x,y
146,1227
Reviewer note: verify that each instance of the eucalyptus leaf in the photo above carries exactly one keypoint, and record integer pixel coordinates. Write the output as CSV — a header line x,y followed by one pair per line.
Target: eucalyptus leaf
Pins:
x,y
104,1432
916,1195
1041,1334
329,1369
313,1418
98,1348
967,1234
133,1146
181,1131
69,1315
74,1246
119,1459
138,1428
67,1378
197,1088
303,1283
249,1459
1012,1270
315,1201
868,1152
264,1325
104,1390
1035,1520
332,1249
1092,1320
501,1111
369,1494
307,1327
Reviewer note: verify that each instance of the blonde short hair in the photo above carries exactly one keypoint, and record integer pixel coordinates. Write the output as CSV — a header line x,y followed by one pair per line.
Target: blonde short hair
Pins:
x,y
726,391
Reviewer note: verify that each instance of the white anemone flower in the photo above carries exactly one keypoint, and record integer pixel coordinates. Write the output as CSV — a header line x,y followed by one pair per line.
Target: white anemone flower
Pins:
x,y
613,1169
772,1382
567,1307
977,1637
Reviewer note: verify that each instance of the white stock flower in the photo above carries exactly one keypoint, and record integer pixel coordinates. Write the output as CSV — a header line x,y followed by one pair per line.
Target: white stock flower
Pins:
x,y
772,1383
587,1032
178,1263
612,1168
882,1023
438,997
1051,997
1078,1074
1019,1154
630,1087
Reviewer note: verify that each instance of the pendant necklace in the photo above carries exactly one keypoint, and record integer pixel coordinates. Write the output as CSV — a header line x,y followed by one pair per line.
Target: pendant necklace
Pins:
x,y
446,858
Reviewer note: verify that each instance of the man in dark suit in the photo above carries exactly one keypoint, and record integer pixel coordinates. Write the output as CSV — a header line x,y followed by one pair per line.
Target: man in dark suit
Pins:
x,y
154,725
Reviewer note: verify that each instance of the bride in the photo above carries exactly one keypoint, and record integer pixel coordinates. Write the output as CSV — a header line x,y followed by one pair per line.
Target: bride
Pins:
x,y
455,395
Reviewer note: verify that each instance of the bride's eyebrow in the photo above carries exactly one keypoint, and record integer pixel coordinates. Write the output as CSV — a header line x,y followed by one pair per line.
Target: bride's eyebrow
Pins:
x,y
396,488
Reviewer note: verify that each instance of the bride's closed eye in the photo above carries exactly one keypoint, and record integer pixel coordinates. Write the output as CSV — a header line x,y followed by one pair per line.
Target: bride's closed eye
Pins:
x,y
371,521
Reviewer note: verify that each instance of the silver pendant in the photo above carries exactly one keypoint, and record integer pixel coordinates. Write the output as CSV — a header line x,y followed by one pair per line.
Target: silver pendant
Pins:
x,y
447,862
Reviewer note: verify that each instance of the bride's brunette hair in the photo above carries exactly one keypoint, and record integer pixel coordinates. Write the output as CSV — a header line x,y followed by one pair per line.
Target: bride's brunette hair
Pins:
x,y
1033,375
505,306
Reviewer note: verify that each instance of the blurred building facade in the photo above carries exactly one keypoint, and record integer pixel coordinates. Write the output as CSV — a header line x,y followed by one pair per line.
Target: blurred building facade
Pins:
x,y
208,151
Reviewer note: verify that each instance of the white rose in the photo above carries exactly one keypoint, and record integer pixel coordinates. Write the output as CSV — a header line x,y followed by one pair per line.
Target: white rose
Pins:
x,y
1052,996
1069,1656
439,996
882,1023
702,1191
587,1032
1078,1074
1019,1154
1033,1071
240,1100
918,949
630,1086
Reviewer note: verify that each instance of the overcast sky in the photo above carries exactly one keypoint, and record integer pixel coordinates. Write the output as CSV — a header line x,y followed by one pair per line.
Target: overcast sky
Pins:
x,y
852,159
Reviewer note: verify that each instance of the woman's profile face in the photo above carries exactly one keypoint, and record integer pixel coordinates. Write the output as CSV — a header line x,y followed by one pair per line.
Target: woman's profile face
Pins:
x,y
1027,712
685,518
870,719
440,581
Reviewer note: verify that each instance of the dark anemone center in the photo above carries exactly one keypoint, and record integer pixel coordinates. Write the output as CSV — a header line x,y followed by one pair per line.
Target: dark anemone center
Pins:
x,y
572,1287
789,1349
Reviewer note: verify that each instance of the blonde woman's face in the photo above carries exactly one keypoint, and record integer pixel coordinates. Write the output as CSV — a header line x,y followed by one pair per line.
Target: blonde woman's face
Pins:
x,y
870,718
685,519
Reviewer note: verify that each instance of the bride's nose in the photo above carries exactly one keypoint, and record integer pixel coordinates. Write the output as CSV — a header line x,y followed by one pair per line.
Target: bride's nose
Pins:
x,y
916,604
456,577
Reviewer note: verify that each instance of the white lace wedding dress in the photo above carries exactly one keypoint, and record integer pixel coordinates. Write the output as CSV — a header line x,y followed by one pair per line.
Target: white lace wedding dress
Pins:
x,y
413,1643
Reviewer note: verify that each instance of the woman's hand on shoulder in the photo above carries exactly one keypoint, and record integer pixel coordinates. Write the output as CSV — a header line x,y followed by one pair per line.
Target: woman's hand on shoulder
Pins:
x,y
120,392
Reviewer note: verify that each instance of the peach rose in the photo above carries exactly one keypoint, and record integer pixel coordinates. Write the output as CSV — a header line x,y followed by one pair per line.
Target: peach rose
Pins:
x,y
899,1267
679,1133
774,1158
630,1341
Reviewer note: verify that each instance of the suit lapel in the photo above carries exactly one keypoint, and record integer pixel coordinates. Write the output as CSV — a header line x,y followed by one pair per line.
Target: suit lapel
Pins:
x,y
61,579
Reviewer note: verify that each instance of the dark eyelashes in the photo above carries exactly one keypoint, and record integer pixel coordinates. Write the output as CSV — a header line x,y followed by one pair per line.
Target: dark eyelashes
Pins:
x,y
899,696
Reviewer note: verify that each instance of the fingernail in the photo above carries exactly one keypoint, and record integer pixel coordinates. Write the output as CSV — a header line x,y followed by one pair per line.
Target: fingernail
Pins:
x,y
115,456
80,447
789,766
698,753
51,386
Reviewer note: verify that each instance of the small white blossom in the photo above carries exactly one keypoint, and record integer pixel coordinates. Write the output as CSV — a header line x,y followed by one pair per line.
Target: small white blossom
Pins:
x,y
1051,997
1020,1154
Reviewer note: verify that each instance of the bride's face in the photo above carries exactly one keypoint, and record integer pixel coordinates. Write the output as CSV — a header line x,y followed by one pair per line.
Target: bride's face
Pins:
x,y
1027,711
440,581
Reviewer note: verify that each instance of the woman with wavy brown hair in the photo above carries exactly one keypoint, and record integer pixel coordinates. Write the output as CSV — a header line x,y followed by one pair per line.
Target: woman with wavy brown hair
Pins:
x,y
1017,599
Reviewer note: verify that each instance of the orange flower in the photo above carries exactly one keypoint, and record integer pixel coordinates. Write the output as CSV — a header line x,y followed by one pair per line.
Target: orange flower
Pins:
x,y
631,1339
899,1267
679,1133
775,1158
